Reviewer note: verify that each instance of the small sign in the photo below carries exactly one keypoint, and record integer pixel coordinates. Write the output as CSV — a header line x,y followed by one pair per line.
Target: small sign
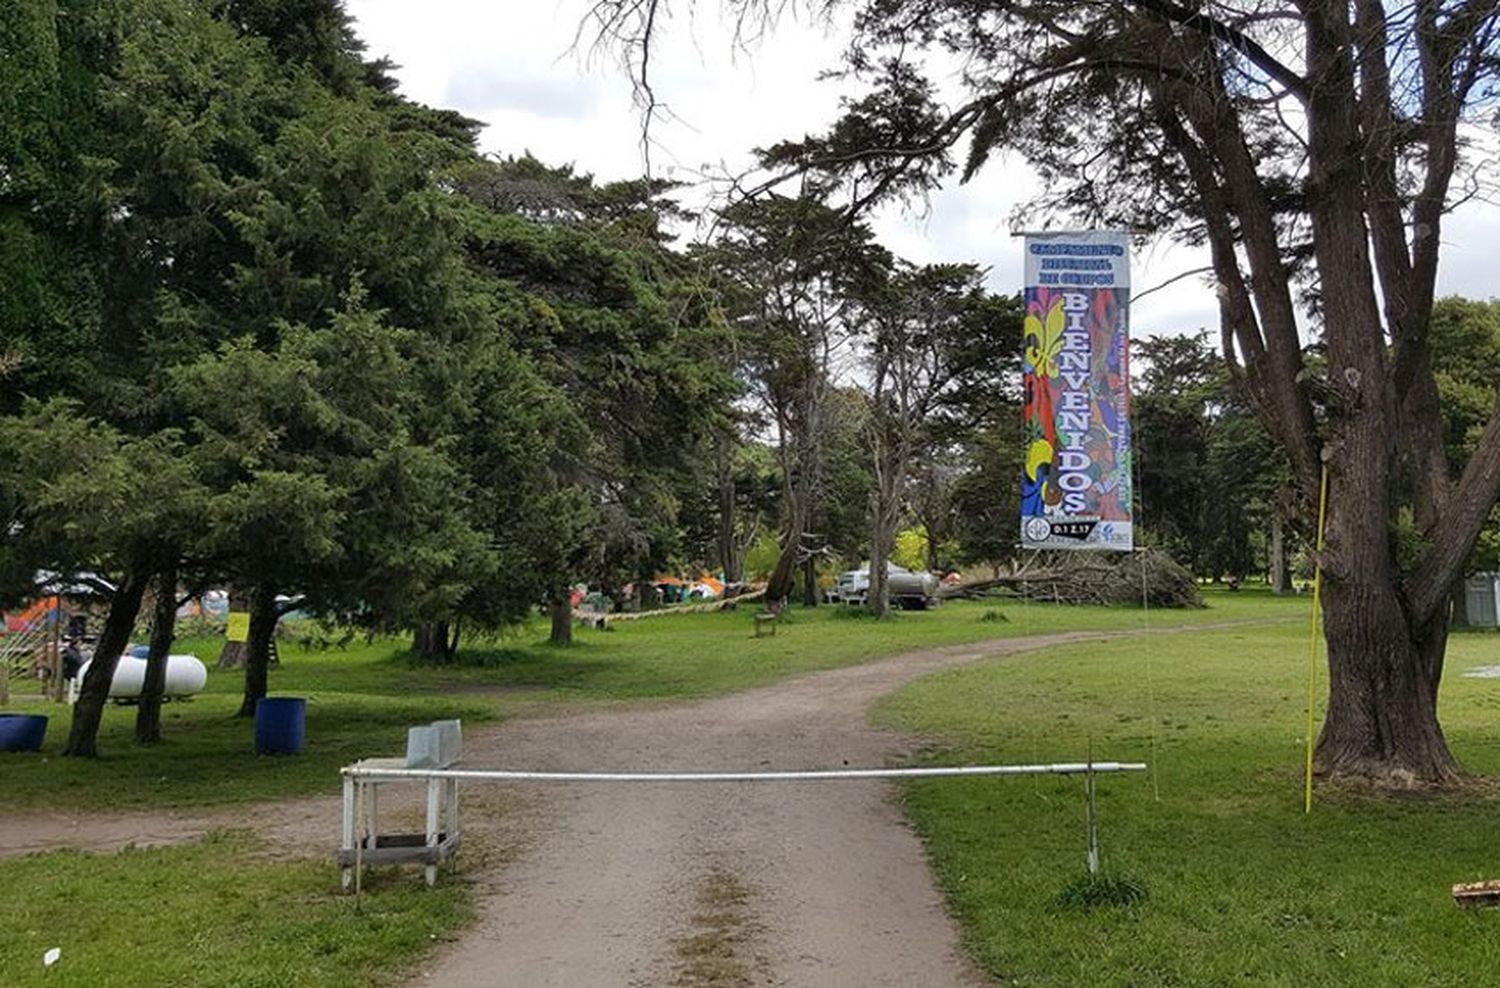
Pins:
x,y
239,626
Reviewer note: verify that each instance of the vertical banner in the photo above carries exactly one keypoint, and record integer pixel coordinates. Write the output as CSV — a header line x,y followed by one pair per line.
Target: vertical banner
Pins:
x,y
1075,483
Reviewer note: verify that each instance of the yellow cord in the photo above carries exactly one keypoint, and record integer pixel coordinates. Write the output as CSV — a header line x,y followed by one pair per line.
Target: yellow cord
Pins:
x,y
1312,650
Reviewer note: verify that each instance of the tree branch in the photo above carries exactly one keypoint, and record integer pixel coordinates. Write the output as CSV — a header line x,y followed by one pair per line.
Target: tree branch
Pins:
x,y
1382,196
1445,91
1453,540
1196,20
1267,329
960,122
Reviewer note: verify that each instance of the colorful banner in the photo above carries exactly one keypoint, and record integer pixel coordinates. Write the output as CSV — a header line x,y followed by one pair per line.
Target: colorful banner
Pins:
x,y
1075,485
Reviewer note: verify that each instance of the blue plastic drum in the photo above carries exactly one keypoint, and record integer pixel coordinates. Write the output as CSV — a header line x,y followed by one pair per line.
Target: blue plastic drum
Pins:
x,y
22,732
280,723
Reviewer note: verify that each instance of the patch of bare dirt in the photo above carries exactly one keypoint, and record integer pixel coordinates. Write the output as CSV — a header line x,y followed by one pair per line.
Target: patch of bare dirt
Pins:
x,y
719,952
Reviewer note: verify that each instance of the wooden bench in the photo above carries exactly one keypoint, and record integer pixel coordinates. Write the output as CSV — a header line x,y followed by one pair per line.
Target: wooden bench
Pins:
x,y
765,624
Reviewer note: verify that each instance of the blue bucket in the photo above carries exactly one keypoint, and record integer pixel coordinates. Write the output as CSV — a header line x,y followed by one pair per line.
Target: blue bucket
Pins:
x,y
280,723
22,732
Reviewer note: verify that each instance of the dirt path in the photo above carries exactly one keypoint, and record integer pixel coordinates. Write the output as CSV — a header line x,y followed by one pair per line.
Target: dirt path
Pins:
x,y
298,826
795,884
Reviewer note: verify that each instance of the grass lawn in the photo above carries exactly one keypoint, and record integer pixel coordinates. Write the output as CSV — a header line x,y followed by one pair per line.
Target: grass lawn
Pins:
x,y
211,913
361,701
691,655
359,704
1242,888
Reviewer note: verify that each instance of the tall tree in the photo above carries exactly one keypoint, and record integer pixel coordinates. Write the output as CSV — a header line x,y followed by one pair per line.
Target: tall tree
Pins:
x,y
618,328
796,277
934,330
1210,477
986,495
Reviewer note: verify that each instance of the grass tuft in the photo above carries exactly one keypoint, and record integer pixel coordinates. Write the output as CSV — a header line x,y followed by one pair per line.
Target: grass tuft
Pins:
x,y
1090,891
848,612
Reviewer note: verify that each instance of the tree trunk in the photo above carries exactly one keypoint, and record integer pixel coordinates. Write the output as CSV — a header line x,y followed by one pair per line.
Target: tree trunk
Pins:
x,y
883,519
810,582
729,557
1382,720
878,596
83,735
561,610
1383,671
163,629
263,618
430,642
1384,667
232,655
1280,568
783,577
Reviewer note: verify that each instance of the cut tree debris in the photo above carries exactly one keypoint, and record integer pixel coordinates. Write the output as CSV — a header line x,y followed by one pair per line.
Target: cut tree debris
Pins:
x,y
1091,578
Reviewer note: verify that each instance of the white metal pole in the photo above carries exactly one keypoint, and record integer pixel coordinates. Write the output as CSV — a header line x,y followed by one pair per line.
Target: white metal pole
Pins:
x,y
510,775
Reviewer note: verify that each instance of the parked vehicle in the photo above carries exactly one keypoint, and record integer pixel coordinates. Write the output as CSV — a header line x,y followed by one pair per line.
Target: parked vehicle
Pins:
x,y
912,591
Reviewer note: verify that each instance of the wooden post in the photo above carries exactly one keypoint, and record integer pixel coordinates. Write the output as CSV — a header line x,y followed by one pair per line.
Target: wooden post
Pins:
x,y
434,825
346,832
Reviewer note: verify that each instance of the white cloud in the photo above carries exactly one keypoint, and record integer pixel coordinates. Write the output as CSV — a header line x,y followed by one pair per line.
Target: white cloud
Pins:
x,y
488,91
514,65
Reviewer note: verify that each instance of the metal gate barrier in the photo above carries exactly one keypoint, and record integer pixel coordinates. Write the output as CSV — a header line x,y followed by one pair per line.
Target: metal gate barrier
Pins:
x,y
362,844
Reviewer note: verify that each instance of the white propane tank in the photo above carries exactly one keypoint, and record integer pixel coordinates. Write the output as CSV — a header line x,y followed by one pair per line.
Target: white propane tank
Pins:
x,y
185,676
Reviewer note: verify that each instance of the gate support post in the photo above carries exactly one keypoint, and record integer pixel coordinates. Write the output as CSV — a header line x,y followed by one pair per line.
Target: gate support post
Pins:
x,y
1093,820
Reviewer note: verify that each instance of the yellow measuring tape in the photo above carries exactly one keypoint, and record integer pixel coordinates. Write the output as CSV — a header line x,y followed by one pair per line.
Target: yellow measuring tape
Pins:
x,y
1312,645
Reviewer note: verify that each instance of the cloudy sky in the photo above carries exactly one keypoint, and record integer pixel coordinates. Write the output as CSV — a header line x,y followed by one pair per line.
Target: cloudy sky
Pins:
x,y
514,64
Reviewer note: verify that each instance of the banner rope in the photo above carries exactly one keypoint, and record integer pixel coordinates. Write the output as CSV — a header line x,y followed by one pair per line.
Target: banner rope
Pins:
x,y
1312,645
1036,747
1139,551
1140,527
1150,686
